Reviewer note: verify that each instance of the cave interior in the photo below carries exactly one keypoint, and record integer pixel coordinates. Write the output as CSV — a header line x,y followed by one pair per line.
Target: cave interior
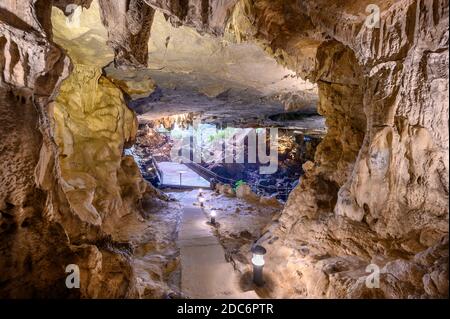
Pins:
x,y
167,149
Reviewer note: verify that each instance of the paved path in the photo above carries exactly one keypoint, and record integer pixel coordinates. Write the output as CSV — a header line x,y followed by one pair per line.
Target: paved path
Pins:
x,y
204,271
171,175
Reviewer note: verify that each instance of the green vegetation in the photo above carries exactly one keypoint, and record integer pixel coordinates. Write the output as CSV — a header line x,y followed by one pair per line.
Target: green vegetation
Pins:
x,y
221,135
238,184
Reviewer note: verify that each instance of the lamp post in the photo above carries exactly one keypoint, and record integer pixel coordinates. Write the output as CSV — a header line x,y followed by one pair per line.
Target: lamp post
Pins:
x,y
181,174
258,264
213,215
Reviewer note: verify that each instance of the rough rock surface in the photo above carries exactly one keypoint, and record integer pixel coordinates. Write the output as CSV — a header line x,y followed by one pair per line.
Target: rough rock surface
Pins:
x,y
136,84
31,240
64,179
92,126
377,192
205,16
225,189
245,192
220,64
128,23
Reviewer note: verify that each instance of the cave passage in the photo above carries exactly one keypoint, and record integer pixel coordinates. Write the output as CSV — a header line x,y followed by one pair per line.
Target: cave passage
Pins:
x,y
200,142
181,149
268,159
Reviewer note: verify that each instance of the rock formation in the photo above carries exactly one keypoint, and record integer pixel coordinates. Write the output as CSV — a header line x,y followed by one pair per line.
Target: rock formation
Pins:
x,y
65,181
376,194
128,23
369,193
378,188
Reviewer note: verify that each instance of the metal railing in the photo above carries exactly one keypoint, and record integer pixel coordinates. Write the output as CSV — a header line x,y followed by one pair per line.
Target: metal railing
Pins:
x,y
159,173
282,191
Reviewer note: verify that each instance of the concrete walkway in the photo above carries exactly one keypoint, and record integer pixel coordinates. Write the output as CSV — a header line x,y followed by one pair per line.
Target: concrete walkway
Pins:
x,y
204,271
171,172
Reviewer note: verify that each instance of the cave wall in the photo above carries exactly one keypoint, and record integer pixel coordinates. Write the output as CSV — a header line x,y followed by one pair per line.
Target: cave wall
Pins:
x,y
208,16
93,126
377,191
31,67
392,205
128,23
218,64
64,179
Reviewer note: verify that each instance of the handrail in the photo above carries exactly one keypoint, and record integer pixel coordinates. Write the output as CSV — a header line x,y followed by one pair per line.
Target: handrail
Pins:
x,y
285,191
159,173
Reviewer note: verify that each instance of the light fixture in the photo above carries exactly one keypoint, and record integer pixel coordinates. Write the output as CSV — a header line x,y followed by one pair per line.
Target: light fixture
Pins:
x,y
213,215
201,200
258,264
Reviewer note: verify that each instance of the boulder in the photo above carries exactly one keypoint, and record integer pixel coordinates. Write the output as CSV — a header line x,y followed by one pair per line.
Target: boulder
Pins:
x,y
270,201
225,189
245,192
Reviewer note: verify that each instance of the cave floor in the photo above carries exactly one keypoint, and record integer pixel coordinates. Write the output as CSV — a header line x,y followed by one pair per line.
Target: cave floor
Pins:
x,y
204,271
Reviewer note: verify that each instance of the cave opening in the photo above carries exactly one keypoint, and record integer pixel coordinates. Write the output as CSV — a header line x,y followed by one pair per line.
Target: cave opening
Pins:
x,y
236,127
175,149
221,95
226,155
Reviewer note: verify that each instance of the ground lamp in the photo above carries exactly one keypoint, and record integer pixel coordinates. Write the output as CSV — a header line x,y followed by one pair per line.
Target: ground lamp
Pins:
x,y
213,215
201,200
258,264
